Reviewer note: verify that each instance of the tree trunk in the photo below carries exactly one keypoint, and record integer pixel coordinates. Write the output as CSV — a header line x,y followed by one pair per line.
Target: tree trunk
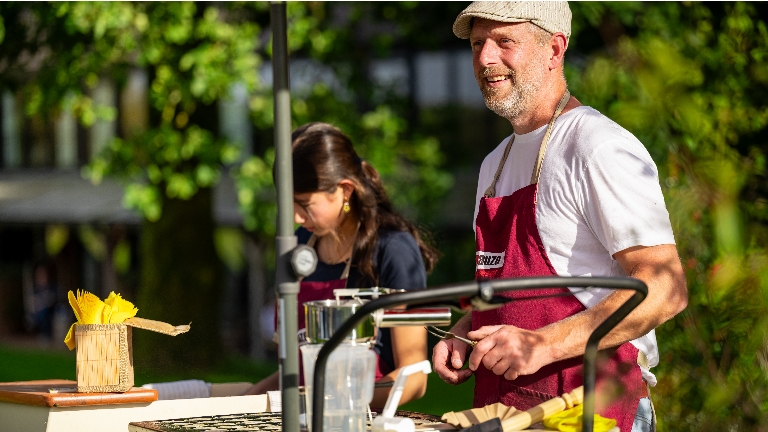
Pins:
x,y
181,278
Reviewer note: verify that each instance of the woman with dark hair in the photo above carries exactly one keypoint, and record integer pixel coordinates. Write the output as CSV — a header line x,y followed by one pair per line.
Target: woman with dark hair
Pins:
x,y
361,241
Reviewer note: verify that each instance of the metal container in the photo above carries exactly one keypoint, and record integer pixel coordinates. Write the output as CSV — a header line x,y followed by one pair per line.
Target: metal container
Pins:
x,y
323,317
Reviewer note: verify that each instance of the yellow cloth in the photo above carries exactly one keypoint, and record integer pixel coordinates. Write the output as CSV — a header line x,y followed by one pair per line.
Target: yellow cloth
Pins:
x,y
570,421
89,309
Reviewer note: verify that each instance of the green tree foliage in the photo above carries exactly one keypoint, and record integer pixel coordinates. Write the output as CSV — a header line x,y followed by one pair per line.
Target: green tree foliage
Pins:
x,y
689,80
193,53
371,116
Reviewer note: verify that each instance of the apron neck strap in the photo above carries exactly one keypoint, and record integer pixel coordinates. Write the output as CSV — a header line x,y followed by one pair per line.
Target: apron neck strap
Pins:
x,y
545,141
345,274
491,191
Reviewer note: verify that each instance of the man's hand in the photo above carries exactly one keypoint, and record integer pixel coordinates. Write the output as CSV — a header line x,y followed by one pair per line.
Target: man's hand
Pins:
x,y
449,355
508,351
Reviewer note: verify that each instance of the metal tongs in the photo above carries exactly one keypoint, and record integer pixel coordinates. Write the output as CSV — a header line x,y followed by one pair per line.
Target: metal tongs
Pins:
x,y
442,334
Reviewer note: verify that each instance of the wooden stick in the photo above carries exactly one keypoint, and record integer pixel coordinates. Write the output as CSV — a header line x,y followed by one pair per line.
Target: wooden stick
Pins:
x,y
538,413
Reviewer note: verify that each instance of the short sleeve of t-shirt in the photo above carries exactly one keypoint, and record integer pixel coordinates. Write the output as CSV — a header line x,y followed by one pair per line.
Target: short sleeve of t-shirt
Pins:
x,y
621,197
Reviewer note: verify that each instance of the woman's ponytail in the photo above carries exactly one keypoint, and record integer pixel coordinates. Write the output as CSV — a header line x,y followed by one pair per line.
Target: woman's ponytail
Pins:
x,y
382,214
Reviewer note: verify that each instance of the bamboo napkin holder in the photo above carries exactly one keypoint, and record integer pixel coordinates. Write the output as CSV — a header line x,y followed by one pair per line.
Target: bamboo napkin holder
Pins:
x,y
105,353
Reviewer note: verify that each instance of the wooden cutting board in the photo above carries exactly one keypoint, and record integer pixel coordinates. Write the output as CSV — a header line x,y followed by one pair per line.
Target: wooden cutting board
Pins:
x,y
39,393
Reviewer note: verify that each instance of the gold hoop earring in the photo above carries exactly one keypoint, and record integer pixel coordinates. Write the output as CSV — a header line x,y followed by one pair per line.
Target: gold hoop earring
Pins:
x,y
346,208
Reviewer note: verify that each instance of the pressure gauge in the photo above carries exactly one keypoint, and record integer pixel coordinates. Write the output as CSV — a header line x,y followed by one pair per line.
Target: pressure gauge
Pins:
x,y
303,260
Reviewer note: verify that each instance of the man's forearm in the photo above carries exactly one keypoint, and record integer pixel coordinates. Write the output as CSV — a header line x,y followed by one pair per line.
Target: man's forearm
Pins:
x,y
463,325
667,296
568,338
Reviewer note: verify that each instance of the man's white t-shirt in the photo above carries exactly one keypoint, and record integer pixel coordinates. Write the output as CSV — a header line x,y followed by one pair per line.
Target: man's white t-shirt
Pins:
x,y
598,194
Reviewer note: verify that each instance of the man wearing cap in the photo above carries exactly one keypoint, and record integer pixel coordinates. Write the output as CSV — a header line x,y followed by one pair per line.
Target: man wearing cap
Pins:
x,y
569,193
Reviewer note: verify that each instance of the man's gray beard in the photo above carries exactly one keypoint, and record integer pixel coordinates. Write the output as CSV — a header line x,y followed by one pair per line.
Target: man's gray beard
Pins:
x,y
515,103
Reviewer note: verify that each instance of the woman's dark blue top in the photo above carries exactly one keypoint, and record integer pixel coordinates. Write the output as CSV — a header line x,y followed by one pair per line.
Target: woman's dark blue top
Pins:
x,y
398,263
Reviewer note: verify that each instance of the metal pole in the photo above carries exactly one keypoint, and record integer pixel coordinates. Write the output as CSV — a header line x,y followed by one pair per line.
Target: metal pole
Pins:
x,y
287,284
590,353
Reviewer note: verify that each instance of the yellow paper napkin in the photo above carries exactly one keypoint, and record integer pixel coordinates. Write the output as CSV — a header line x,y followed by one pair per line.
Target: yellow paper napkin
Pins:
x,y
570,421
89,309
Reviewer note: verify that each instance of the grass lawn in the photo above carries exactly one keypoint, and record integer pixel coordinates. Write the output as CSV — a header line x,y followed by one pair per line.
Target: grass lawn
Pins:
x,y
442,397
25,364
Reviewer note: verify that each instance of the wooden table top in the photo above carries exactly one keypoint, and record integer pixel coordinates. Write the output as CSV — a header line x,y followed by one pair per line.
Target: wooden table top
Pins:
x,y
38,393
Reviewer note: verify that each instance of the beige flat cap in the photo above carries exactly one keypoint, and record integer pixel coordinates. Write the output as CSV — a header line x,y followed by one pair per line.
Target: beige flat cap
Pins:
x,y
552,16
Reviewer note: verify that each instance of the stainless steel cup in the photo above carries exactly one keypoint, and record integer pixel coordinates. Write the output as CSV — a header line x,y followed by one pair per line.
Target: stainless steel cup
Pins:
x,y
323,317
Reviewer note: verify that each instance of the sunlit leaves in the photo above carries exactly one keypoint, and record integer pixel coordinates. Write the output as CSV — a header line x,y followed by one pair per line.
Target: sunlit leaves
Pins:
x,y
195,57
230,247
144,198
403,161
121,257
163,160
206,175
179,25
256,193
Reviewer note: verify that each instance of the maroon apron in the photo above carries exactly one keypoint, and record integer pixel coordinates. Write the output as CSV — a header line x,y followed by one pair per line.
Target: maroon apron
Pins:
x,y
508,245
323,290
